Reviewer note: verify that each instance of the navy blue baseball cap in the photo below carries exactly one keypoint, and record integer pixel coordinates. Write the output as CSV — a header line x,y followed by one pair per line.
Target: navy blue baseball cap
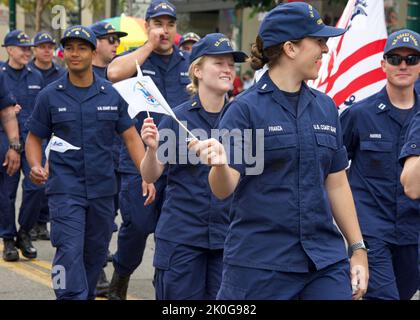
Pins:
x,y
17,38
102,28
43,37
215,44
79,32
404,38
294,21
189,36
160,8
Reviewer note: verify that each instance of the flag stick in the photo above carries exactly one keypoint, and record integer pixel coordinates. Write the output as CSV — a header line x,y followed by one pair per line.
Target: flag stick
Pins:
x,y
138,74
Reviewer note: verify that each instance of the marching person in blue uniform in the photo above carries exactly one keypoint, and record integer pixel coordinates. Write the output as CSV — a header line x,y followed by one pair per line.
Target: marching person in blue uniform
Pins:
x,y
44,46
160,59
192,226
282,242
374,133
10,160
107,42
24,83
86,112
43,50
187,41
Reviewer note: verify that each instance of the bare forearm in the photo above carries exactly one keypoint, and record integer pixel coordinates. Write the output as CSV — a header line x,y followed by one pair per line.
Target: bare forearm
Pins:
x,y
33,150
410,177
342,205
151,168
124,67
10,124
223,181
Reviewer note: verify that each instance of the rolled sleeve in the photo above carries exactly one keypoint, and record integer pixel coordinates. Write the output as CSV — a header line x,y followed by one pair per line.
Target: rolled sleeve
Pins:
x,y
412,145
410,149
6,98
340,160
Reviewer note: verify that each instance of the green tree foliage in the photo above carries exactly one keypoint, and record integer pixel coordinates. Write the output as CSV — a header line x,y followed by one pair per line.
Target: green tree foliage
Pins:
x,y
37,7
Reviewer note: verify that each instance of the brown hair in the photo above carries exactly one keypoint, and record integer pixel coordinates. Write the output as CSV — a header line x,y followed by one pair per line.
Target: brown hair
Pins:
x,y
270,55
192,88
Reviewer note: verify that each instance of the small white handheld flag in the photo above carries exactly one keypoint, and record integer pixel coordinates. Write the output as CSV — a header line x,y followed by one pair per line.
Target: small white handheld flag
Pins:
x,y
135,92
141,94
59,145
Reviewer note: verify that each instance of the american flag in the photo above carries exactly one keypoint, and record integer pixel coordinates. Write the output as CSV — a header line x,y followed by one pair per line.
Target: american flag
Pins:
x,y
351,70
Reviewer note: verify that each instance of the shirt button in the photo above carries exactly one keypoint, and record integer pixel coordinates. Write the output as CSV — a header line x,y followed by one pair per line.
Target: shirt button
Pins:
x,y
60,86
413,146
103,88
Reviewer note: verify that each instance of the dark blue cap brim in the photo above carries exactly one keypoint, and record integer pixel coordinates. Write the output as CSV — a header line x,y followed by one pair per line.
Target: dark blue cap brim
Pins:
x,y
238,56
159,14
328,32
44,41
18,45
120,34
64,40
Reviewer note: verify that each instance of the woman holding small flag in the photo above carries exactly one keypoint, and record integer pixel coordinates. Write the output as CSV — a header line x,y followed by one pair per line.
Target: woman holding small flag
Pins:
x,y
282,242
191,230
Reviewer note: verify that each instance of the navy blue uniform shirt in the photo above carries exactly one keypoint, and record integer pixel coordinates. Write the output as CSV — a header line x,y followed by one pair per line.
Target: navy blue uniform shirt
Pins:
x,y
281,219
171,79
24,84
191,214
412,144
90,125
6,97
50,75
374,135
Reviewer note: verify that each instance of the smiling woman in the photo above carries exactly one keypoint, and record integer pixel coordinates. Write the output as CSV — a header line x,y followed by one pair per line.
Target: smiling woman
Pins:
x,y
192,231
282,242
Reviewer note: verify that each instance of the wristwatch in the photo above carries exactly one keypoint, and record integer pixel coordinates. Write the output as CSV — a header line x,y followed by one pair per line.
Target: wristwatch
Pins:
x,y
362,244
16,146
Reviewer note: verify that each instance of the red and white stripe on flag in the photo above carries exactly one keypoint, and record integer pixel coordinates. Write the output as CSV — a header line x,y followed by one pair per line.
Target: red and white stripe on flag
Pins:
x,y
351,71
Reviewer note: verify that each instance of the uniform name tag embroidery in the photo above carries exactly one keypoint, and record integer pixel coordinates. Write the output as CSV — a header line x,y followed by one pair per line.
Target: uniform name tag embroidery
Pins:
x,y
107,108
184,74
375,136
34,86
62,109
275,128
325,127
149,72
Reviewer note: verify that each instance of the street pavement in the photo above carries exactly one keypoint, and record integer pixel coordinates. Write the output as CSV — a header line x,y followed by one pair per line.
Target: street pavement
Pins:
x,y
31,279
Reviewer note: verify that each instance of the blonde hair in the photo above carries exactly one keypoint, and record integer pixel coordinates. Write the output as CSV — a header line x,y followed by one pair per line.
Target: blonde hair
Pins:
x,y
192,88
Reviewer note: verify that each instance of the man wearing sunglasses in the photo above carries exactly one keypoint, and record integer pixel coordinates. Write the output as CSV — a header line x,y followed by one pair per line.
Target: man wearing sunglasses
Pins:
x,y
108,40
374,133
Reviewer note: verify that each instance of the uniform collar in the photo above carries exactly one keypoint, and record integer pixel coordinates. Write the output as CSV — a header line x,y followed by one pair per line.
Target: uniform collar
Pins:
x,y
266,85
99,85
175,57
25,70
195,103
54,67
383,104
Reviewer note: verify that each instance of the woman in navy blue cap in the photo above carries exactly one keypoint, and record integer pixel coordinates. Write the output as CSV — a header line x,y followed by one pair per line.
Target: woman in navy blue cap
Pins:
x,y
282,242
191,230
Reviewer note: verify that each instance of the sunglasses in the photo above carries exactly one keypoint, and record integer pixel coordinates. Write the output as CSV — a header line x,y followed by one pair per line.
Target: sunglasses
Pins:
x,y
111,39
396,59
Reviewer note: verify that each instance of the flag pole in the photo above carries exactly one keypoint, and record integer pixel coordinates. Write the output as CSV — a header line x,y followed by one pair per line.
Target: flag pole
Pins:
x,y
138,74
